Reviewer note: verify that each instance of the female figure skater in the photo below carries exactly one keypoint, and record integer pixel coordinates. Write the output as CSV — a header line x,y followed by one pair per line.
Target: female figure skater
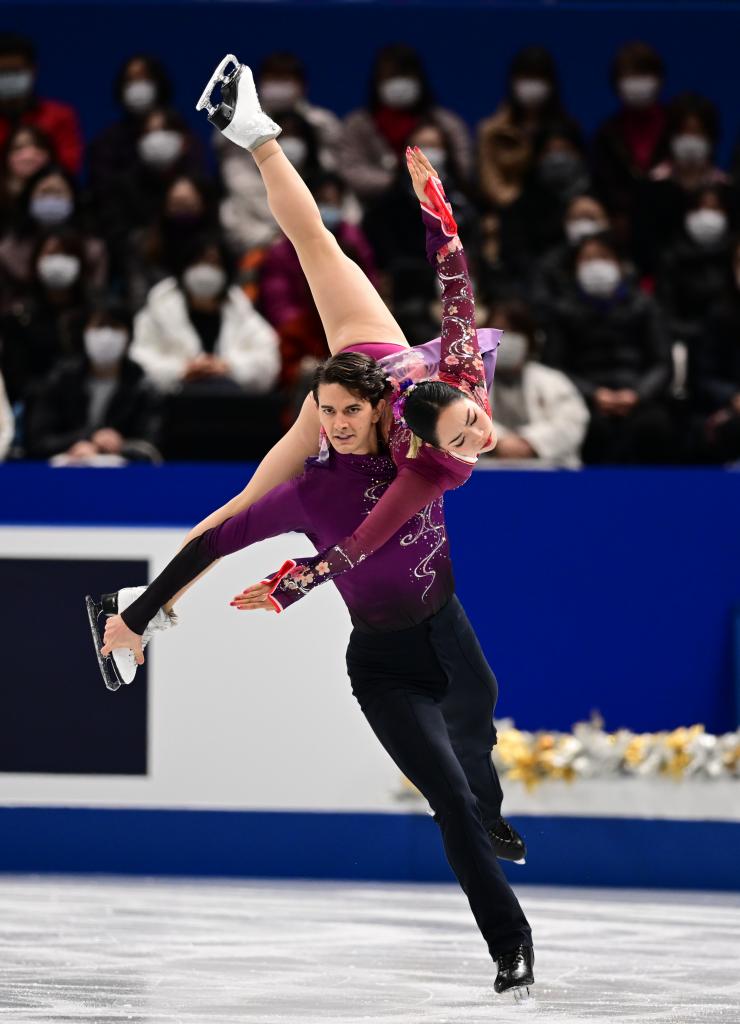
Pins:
x,y
450,416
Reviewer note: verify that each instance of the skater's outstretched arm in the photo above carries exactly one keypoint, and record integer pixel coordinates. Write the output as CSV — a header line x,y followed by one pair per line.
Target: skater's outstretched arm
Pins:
x,y
279,511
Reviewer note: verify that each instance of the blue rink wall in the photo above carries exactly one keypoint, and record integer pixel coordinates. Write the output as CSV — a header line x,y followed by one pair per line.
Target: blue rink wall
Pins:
x,y
604,590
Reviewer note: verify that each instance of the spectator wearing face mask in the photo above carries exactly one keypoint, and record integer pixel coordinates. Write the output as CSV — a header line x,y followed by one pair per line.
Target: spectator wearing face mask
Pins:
x,y
166,149
715,376
630,142
49,201
47,325
199,330
96,403
534,222
245,215
285,297
584,217
189,211
375,136
538,412
692,131
19,103
693,273
7,422
507,139
611,340
141,86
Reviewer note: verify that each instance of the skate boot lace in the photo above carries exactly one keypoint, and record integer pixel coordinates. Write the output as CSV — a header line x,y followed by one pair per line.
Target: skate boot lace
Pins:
x,y
512,959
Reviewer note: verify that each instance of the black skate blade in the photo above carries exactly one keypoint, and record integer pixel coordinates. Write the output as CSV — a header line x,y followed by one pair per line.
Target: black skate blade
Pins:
x,y
106,665
217,78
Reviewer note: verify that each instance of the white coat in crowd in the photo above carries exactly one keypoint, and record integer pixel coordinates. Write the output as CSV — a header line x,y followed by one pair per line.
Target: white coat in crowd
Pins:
x,y
165,341
7,423
554,415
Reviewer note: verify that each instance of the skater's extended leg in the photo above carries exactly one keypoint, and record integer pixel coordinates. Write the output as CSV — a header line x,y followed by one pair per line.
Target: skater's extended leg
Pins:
x,y
412,729
350,308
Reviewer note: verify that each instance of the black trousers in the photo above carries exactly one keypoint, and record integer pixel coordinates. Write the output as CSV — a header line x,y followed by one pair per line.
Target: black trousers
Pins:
x,y
429,694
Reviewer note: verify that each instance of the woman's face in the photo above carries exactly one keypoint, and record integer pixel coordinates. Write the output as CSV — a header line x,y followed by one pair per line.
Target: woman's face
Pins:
x,y
430,141
26,156
464,429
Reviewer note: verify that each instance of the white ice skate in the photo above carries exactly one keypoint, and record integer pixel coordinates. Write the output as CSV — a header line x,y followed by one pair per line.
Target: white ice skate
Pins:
x,y
238,114
120,667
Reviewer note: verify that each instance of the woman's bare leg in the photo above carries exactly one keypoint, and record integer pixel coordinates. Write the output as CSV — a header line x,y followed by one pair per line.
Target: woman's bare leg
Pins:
x,y
349,306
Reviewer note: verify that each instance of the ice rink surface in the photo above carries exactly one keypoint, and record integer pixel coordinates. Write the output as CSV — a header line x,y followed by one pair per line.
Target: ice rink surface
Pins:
x,y
221,952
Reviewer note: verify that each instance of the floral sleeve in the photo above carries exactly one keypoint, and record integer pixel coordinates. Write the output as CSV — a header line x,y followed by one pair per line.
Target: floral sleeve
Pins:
x,y
460,363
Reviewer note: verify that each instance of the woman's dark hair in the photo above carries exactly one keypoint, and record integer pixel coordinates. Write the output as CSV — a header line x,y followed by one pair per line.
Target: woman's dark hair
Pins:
x,y
536,62
401,60
605,239
423,406
693,104
294,123
157,73
14,45
354,371
636,58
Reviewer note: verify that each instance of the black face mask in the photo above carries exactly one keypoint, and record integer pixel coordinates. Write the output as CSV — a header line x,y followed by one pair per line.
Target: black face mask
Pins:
x,y
183,221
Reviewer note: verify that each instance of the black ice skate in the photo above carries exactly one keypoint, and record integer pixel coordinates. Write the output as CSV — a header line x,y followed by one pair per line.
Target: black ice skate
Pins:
x,y
515,972
238,114
506,841
96,611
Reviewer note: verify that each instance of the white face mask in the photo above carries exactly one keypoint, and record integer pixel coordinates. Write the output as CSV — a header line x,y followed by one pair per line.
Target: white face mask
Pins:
x,y
599,277
400,92
105,345
436,156
582,227
331,215
14,85
706,226
280,94
295,149
161,147
139,96
531,92
512,353
204,281
58,270
689,149
638,90
50,209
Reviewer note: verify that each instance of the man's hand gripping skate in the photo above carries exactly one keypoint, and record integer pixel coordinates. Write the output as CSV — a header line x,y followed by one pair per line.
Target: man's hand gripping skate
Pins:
x,y
118,635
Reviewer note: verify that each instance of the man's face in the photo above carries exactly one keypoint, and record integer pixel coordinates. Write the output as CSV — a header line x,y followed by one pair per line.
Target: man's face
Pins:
x,y
349,421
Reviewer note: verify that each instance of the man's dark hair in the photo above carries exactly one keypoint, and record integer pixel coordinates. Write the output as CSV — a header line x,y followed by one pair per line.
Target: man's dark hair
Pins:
x,y
14,45
424,405
354,371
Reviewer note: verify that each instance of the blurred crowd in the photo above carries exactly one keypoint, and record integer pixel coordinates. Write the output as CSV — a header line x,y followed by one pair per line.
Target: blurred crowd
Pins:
x,y
150,308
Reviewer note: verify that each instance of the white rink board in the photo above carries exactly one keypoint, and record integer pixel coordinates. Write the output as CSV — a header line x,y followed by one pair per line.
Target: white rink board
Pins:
x,y
253,711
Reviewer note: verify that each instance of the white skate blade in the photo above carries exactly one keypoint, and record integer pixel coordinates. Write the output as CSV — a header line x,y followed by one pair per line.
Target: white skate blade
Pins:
x,y
522,860
126,664
216,78
521,995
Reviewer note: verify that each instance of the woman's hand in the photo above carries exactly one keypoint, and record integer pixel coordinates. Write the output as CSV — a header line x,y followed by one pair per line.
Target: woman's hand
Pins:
x,y
255,598
117,635
420,171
